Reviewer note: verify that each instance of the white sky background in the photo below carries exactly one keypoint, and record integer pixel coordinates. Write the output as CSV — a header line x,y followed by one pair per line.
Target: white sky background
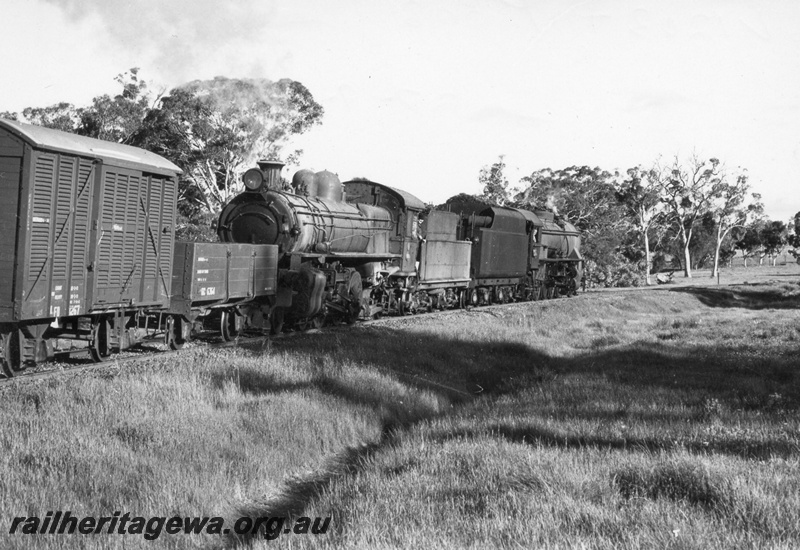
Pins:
x,y
421,94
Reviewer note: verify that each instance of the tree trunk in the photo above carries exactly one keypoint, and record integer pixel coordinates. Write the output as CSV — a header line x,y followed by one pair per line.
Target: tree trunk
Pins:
x,y
715,271
647,263
687,261
686,237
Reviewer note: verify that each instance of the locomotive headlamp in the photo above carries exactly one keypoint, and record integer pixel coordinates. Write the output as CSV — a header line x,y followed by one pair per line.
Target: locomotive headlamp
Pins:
x,y
253,179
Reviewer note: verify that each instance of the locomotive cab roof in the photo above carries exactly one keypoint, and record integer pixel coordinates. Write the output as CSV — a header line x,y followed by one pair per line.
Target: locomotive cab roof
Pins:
x,y
109,152
376,194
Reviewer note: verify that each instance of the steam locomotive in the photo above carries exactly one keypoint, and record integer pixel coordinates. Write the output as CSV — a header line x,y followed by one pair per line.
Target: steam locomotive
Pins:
x,y
361,248
88,257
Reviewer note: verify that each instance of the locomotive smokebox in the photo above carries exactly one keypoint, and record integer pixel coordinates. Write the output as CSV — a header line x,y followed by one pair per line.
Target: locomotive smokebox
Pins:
x,y
271,169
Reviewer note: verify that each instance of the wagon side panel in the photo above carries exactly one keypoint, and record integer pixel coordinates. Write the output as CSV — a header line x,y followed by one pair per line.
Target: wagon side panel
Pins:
x,y
133,222
265,269
11,150
159,239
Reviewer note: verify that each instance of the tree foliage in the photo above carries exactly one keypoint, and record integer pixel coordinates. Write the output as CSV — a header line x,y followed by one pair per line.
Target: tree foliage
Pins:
x,y
728,209
687,190
222,126
212,129
774,237
586,197
640,197
692,213
793,237
494,183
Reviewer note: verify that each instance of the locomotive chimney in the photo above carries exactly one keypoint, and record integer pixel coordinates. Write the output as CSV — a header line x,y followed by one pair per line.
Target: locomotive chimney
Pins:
x,y
272,173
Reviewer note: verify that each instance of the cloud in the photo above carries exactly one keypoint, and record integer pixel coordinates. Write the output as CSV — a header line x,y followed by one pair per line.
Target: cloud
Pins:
x,y
176,39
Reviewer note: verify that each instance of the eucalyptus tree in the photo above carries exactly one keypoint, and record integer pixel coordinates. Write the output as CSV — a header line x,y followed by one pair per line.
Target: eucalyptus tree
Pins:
x,y
640,195
774,237
216,129
793,238
212,129
494,182
687,190
729,208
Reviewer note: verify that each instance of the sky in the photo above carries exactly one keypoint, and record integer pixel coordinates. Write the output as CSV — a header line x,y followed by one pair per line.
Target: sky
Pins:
x,y
421,95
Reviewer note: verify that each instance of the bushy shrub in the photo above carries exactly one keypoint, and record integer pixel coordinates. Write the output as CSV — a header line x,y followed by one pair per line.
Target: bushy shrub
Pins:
x,y
616,271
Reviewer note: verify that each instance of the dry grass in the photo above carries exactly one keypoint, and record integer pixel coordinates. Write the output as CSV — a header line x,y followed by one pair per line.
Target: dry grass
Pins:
x,y
656,418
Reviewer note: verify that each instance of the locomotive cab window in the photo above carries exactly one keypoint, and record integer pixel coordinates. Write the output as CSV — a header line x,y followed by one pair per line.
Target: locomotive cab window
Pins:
x,y
412,219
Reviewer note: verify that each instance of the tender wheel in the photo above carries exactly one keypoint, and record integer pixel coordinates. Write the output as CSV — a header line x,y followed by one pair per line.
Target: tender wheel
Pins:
x,y
229,325
462,299
175,332
474,297
12,358
100,345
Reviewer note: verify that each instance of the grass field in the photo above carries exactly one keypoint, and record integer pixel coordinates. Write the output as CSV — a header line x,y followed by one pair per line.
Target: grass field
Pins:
x,y
657,418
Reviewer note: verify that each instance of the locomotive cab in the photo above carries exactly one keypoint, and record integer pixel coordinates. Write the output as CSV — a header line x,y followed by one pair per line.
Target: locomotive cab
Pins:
x,y
404,209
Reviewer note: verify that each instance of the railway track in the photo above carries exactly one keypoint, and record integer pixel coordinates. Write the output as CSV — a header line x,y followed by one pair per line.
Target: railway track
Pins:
x,y
63,365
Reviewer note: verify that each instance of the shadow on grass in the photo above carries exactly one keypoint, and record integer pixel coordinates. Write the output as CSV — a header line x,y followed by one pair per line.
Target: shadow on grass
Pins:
x,y
297,492
755,296
532,434
457,371
730,376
